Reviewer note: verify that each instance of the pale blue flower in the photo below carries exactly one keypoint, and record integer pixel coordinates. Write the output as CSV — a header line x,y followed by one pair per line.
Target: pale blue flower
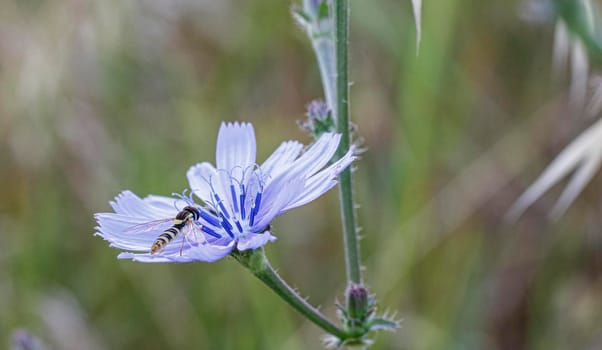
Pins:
x,y
240,199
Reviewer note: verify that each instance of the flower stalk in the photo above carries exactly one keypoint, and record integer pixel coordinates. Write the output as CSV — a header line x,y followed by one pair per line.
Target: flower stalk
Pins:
x,y
257,262
316,18
330,19
326,24
350,239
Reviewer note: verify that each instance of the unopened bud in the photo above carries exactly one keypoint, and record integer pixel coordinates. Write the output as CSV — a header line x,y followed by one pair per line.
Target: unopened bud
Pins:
x,y
358,302
319,119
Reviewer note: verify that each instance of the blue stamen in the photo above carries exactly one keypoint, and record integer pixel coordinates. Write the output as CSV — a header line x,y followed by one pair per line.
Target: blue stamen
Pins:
x,y
233,192
238,226
255,208
221,206
210,232
226,225
210,219
242,206
242,201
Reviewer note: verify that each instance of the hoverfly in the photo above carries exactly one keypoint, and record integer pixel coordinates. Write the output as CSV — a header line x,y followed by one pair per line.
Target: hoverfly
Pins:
x,y
185,222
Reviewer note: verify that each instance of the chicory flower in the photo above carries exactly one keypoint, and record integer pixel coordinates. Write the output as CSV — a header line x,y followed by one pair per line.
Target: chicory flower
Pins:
x,y
239,200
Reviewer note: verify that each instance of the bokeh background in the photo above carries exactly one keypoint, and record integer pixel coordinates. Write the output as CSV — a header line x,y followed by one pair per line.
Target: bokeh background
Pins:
x,y
97,96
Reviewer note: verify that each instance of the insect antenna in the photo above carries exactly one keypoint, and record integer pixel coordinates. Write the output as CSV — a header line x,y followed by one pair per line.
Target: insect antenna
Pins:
x,y
187,199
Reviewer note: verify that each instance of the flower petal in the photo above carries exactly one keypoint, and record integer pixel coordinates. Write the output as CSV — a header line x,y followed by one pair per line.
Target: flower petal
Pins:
x,y
276,197
281,159
319,154
301,184
314,158
142,242
235,146
132,211
166,205
210,252
255,241
202,252
147,258
114,228
199,178
127,203
286,187
320,183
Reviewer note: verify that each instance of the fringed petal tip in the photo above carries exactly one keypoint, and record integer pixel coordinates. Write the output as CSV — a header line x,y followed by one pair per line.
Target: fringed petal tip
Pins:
x,y
236,146
236,125
346,160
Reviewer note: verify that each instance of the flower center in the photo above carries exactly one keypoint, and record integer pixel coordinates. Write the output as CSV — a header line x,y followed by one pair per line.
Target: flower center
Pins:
x,y
236,199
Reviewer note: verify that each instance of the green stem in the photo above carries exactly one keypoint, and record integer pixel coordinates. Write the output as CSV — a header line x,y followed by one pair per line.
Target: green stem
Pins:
x,y
257,262
352,252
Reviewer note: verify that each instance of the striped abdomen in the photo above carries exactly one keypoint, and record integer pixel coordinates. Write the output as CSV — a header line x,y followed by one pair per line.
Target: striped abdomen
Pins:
x,y
167,236
188,214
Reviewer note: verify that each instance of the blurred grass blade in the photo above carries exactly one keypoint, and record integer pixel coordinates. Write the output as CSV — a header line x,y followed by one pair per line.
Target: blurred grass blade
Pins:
x,y
581,19
417,6
595,104
581,177
576,37
568,45
579,74
583,154
561,46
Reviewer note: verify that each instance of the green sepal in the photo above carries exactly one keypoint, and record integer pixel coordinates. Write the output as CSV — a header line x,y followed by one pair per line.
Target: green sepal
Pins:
x,y
383,324
302,17
323,126
323,11
319,120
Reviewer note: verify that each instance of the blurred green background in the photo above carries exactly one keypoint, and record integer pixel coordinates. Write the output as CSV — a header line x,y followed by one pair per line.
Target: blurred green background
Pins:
x,y
97,96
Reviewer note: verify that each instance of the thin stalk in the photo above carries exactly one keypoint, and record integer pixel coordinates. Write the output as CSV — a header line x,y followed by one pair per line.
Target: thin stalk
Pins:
x,y
257,262
320,31
323,47
352,252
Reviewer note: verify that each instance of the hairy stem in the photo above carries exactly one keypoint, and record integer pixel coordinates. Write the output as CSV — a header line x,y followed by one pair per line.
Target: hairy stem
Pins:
x,y
257,262
350,239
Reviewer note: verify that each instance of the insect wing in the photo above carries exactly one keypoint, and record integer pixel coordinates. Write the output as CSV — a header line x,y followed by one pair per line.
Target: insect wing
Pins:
x,y
156,225
193,232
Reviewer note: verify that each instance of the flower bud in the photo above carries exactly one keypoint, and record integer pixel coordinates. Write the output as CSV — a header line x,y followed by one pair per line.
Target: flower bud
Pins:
x,y
358,302
319,119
